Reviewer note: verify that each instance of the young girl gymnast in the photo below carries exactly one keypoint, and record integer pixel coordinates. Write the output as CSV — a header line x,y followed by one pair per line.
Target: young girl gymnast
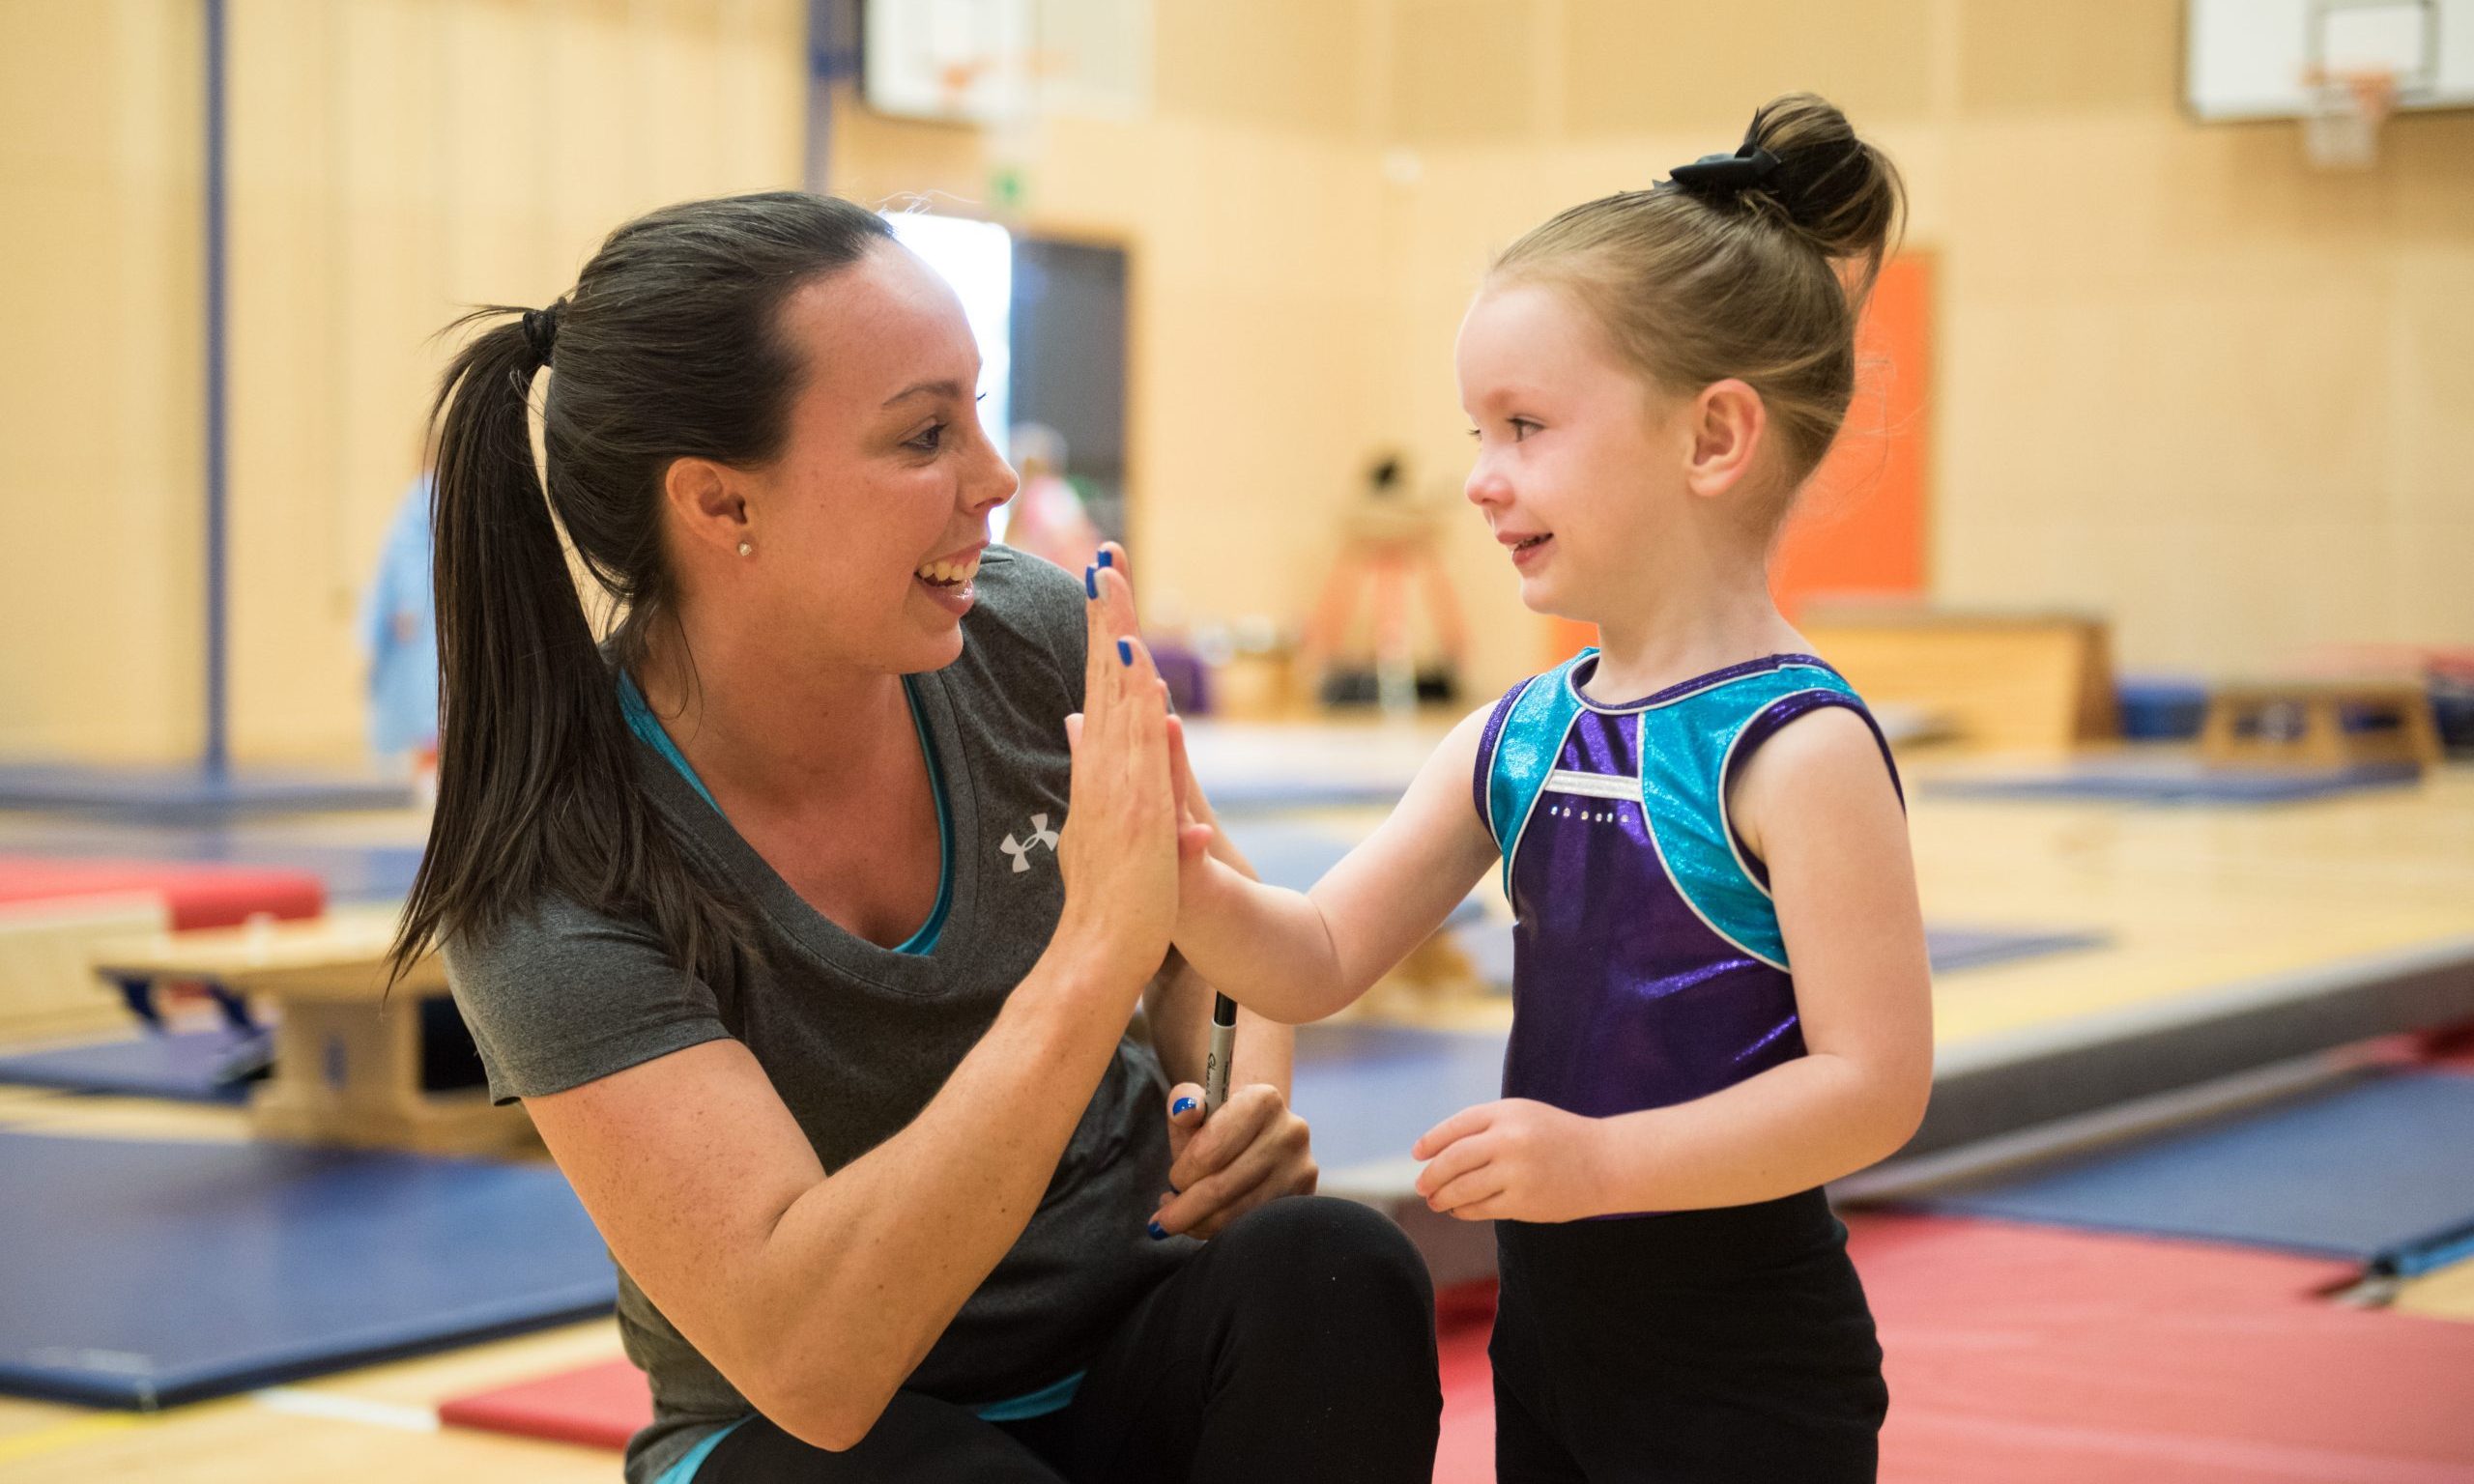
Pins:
x,y
1720,995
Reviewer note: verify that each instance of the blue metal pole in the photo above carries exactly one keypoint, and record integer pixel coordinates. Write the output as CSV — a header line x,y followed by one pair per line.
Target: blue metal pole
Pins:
x,y
217,759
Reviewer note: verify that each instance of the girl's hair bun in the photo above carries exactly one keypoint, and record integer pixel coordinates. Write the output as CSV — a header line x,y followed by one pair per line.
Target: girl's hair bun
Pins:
x,y
1802,164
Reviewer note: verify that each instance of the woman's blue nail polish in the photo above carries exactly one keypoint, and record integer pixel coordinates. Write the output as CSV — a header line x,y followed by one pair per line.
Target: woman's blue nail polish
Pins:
x,y
1181,1105
1107,559
1158,1232
1125,651
1091,580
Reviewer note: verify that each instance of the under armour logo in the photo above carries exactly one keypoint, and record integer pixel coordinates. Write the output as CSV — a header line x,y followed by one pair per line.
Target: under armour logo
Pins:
x,y
1020,850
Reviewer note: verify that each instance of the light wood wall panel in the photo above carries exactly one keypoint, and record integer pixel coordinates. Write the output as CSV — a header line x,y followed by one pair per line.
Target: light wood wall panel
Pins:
x,y
390,162
393,163
100,171
2180,378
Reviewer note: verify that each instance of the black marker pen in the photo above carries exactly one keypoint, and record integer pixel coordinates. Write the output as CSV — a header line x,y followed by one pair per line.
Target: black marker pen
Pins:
x,y
1223,1044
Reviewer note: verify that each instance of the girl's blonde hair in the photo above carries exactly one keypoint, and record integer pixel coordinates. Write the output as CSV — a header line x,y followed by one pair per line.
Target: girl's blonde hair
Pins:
x,y
1751,266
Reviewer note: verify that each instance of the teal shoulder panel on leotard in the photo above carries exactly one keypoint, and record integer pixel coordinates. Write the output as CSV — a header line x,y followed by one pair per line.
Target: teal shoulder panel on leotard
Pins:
x,y
1525,752
1688,747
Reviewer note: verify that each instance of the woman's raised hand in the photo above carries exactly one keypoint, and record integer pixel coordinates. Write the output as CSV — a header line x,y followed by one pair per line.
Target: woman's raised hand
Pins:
x,y
1119,848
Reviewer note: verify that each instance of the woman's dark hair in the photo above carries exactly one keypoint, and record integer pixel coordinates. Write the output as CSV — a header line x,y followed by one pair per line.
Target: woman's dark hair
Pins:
x,y
1751,266
668,347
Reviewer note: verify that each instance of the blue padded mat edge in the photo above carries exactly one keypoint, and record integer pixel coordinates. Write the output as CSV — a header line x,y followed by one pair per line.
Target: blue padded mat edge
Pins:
x,y
184,1065
2172,784
1369,1091
2379,1168
145,1275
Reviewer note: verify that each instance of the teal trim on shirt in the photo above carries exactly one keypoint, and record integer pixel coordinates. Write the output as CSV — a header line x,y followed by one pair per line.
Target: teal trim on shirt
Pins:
x,y
1044,1402
1037,1404
648,729
683,1472
924,941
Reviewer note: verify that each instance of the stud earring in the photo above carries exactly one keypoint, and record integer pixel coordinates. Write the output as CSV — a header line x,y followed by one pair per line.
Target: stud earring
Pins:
x,y
745,550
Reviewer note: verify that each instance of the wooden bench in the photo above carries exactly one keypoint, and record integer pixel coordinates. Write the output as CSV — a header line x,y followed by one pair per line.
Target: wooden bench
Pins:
x,y
47,987
347,1050
1997,683
2320,724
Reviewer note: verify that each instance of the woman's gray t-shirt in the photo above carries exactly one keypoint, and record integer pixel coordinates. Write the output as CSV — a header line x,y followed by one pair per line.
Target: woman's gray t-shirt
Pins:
x,y
856,1038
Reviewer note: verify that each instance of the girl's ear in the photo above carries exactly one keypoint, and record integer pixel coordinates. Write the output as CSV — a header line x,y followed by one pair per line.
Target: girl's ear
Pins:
x,y
1726,423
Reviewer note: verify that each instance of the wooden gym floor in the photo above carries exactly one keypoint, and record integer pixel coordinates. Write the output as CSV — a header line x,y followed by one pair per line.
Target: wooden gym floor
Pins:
x,y
2191,898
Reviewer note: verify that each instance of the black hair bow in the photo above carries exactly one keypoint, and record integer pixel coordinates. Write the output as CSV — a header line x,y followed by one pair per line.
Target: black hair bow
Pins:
x,y
1725,175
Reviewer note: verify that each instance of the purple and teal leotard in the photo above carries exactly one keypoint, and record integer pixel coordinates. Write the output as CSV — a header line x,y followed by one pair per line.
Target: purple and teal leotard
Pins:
x,y
1648,970
1648,965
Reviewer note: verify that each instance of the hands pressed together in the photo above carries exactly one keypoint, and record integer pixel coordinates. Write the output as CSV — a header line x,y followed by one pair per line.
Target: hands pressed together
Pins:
x,y
1136,839
1134,832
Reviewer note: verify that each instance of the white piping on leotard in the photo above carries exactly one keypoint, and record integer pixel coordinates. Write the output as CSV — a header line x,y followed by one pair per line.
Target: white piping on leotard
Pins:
x,y
1511,853
1595,785
1509,712
1726,819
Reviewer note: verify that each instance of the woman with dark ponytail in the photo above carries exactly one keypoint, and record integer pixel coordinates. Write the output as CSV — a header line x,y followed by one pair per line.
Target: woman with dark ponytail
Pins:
x,y
807,908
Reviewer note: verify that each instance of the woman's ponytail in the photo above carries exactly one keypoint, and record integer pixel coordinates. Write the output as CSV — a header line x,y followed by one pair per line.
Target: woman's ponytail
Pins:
x,y
535,785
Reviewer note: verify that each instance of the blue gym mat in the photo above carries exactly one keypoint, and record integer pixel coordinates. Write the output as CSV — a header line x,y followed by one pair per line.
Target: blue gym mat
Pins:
x,y
1266,795
189,795
2379,1168
144,1275
1951,948
2179,783
1371,1090
186,1066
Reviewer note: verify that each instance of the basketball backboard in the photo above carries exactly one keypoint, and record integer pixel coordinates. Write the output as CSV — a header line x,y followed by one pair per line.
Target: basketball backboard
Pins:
x,y
2274,59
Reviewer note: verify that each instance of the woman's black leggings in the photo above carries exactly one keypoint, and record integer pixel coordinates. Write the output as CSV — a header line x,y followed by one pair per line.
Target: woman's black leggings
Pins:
x,y
1298,1344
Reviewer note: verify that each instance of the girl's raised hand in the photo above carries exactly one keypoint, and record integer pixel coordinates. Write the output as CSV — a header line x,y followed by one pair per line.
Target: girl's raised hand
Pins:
x,y
1514,1161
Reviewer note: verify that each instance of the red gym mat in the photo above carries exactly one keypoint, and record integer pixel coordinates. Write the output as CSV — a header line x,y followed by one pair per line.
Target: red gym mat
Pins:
x,y
2031,1354
1465,1453
2452,1046
196,896
2024,1355
599,1406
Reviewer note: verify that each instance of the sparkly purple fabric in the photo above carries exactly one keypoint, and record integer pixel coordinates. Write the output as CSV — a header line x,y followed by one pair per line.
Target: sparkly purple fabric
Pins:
x,y
1623,998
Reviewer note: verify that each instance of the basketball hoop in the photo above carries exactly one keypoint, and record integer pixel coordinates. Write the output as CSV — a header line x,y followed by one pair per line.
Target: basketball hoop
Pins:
x,y
2344,112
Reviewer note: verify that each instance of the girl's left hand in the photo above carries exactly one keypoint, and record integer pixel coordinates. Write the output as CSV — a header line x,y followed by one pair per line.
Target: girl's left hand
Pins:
x,y
1513,1160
